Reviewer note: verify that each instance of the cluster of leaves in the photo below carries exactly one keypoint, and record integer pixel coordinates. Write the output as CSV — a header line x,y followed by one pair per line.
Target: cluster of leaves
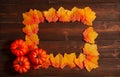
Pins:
x,y
37,57
88,59
85,15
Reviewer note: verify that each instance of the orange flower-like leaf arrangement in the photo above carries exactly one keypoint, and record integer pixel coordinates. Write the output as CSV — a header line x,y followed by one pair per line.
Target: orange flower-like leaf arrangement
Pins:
x,y
29,55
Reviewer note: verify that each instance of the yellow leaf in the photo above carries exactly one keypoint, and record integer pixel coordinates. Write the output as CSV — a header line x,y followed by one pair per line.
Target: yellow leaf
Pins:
x,y
90,35
80,61
52,59
63,14
90,49
58,60
31,29
89,16
69,59
51,15
89,65
32,41
32,17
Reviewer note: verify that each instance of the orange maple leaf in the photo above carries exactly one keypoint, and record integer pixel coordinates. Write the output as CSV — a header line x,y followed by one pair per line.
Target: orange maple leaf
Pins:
x,y
91,63
89,16
90,49
32,17
92,56
32,41
64,14
75,14
47,63
56,61
90,35
51,15
31,29
69,59
80,61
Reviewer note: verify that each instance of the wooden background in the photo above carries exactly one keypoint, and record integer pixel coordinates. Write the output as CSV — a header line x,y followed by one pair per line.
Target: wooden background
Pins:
x,y
62,37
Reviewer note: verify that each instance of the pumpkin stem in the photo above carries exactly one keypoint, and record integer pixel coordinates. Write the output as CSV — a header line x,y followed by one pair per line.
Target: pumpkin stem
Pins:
x,y
18,48
20,63
38,56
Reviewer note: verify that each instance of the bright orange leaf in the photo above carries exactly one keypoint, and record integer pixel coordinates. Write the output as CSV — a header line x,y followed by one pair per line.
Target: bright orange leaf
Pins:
x,y
70,59
75,14
80,61
47,63
92,56
56,61
32,17
89,65
90,35
32,41
64,61
52,59
90,49
31,29
51,15
89,16
64,14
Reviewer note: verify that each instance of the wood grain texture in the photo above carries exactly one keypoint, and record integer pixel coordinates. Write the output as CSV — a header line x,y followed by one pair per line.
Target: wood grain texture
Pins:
x,y
62,37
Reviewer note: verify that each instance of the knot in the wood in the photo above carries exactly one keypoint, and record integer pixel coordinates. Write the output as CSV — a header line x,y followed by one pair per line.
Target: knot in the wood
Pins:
x,y
66,35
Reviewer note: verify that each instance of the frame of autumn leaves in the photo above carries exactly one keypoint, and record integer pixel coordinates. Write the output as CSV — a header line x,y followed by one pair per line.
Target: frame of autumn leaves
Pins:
x,y
89,56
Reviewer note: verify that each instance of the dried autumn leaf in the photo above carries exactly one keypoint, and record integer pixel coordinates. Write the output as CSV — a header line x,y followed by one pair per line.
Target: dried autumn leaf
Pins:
x,y
47,63
64,61
40,15
75,14
93,59
80,61
89,16
92,56
52,59
56,61
64,14
89,65
32,17
51,15
69,59
32,41
90,49
31,29
90,35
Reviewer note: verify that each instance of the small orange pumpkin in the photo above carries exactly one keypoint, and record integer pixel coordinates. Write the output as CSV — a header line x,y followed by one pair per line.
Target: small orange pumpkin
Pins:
x,y
21,64
19,47
38,56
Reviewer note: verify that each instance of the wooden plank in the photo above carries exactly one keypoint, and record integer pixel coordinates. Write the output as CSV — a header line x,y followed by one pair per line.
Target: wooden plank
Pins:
x,y
58,35
100,26
66,31
58,1
69,45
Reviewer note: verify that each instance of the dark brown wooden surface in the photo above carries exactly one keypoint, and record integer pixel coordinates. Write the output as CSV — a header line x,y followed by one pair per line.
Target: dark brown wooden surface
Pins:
x,y
62,37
